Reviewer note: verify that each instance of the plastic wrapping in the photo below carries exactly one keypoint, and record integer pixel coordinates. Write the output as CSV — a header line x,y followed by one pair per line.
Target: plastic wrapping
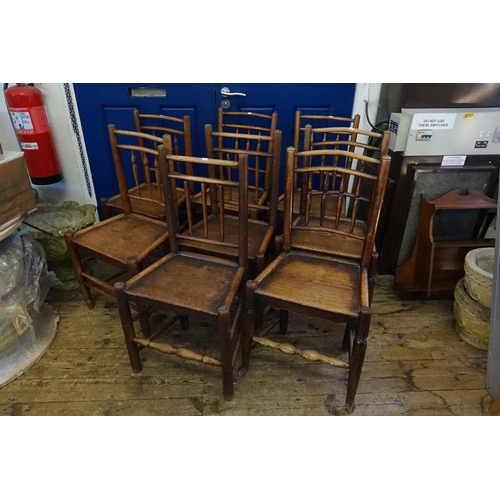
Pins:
x,y
24,284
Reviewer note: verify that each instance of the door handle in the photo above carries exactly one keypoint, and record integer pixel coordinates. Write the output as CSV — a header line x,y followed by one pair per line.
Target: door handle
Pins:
x,y
225,92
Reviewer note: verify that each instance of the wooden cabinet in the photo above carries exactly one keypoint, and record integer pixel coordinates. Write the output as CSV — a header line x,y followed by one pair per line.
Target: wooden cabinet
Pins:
x,y
436,265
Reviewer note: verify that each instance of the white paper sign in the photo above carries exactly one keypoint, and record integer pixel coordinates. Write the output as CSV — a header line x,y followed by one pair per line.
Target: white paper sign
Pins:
x,y
444,121
21,120
453,161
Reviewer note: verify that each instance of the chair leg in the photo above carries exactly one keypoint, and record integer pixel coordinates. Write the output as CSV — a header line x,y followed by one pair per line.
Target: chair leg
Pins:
x,y
283,322
128,327
105,208
134,268
357,358
260,263
184,320
225,353
259,316
248,327
346,342
372,276
77,265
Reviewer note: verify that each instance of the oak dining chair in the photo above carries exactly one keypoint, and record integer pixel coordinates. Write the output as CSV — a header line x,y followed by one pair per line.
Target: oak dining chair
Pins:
x,y
127,234
190,283
263,166
322,283
145,184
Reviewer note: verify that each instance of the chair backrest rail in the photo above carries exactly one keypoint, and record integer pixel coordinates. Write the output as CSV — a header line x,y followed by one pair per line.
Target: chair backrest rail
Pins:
x,y
143,135
165,117
165,130
207,180
256,137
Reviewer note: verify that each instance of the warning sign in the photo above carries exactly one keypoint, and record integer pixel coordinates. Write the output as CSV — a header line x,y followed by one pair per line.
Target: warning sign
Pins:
x,y
30,121
433,120
22,121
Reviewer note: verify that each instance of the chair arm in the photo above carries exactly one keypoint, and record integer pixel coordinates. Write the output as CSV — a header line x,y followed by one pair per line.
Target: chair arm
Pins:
x,y
233,289
270,268
267,240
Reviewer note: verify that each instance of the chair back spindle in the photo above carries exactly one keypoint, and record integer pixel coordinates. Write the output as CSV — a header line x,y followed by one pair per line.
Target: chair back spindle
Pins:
x,y
263,166
342,192
125,156
210,192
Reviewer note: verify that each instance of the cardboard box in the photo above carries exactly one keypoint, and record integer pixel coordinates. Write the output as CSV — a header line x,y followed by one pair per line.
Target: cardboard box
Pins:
x,y
16,194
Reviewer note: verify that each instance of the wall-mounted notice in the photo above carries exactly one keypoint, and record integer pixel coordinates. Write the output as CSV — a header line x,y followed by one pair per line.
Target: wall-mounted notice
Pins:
x,y
453,161
445,121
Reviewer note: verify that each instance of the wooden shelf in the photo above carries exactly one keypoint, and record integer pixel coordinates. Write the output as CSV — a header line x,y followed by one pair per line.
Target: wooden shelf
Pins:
x,y
436,265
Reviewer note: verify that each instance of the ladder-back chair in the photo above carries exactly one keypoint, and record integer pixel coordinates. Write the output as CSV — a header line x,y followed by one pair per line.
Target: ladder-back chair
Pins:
x,y
121,236
262,166
355,140
322,284
246,122
319,121
145,184
363,142
315,120
251,132
191,283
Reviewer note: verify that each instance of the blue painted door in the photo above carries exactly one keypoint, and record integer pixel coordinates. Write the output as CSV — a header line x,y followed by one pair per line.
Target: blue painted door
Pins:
x,y
100,104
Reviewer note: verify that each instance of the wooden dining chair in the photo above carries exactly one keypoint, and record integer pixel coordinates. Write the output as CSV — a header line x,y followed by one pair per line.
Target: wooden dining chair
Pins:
x,y
262,193
246,122
324,283
124,235
192,283
355,140
315,120
262,154
319,121
248,131
145,183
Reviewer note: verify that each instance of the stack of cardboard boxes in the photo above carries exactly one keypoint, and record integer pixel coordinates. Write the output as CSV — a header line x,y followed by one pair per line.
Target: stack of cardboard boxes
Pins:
x,y
16,193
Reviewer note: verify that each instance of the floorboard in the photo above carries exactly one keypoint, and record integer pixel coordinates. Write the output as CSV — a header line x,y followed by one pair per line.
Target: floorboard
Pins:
x,y
415,365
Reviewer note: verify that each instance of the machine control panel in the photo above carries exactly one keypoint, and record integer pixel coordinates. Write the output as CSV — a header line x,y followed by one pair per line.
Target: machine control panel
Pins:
x,y
450,131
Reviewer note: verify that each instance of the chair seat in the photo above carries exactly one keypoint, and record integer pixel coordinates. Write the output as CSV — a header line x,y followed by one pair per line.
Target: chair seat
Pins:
x,y
327,242
143,207
121,237
175,279
314,283
256,233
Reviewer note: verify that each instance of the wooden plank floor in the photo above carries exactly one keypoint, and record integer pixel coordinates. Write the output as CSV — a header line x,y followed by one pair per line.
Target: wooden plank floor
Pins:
x,y
415,365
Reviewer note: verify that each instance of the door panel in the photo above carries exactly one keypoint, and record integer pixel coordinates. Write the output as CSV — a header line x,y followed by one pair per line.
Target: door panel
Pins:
x,y
286,98
101,104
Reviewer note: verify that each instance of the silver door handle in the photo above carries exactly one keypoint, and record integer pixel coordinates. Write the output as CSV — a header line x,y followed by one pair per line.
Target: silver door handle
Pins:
x,y
225,92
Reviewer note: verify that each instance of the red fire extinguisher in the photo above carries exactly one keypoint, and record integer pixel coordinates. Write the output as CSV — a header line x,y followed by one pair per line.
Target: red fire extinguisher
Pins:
x,y
29,118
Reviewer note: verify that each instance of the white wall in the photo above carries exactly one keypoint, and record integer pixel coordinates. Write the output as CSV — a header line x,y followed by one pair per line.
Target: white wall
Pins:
x,y
370,92
73,186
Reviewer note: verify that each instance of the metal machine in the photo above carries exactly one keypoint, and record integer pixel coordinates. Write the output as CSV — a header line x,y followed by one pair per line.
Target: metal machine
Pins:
x,y
436,150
